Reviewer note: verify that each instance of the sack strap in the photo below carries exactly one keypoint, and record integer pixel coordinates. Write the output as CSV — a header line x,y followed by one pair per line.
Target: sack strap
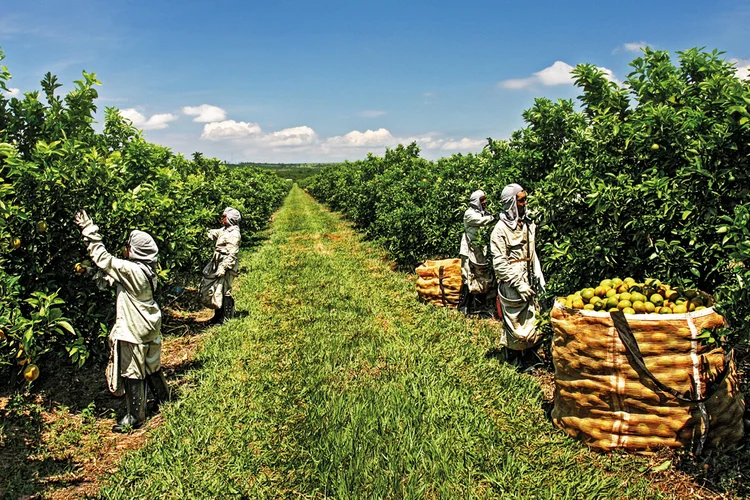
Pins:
x,y
631,345
442,288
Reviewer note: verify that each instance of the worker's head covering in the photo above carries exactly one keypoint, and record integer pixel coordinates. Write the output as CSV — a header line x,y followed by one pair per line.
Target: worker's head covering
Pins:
x,y
142,248
233,216
475,201
510,210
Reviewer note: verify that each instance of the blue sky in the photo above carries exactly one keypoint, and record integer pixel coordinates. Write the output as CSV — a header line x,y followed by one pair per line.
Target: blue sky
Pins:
x,y
292,81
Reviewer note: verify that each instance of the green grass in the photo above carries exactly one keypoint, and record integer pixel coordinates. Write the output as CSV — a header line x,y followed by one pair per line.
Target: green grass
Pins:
x,y
339,383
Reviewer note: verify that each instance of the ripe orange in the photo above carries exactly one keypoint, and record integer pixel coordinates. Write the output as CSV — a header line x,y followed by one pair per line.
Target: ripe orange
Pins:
x,y
16,243
656,299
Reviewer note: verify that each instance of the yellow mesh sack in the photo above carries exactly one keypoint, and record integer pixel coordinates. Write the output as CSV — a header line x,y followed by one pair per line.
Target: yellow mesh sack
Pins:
x,y
439,282
643,381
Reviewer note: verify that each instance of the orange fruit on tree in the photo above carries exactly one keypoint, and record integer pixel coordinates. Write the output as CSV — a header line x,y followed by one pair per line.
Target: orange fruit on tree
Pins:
x,y
31,372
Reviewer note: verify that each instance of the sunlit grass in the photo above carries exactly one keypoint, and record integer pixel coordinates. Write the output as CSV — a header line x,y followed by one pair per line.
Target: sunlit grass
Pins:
x,y
339,383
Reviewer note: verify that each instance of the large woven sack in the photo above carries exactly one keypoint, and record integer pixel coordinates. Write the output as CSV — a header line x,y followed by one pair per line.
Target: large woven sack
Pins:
x,y
439,282
668,389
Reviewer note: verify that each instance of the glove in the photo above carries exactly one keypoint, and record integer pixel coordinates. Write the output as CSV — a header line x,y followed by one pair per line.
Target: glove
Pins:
x,y
82,219
525,292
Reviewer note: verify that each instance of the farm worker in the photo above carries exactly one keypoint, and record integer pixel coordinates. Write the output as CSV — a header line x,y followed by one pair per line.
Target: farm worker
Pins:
x,y
135,339
475,217
518,272
219,273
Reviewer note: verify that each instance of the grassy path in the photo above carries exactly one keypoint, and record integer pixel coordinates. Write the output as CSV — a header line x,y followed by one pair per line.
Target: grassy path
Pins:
x,y
338,383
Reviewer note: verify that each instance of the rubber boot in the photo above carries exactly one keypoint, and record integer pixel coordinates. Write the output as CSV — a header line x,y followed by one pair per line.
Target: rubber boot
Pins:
x,y
157,382
135,397
218,317
463,300
228,307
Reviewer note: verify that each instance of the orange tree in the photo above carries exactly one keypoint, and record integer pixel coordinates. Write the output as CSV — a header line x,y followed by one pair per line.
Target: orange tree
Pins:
x,y
52,163
648,178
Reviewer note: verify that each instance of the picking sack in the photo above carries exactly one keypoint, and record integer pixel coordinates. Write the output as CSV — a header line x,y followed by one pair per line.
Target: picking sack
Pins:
x,y
644,381
439,282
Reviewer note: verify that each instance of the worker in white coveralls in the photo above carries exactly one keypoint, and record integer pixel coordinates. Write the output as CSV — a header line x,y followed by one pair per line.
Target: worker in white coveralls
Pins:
x,y
219,273
518,273
135,339
475,218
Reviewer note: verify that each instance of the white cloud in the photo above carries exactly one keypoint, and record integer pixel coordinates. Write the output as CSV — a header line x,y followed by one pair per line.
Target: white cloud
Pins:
x,y
205,113
557,74
355,138
11,92
295,136
155,122
632,47
743,68
371,113
229,130
464,144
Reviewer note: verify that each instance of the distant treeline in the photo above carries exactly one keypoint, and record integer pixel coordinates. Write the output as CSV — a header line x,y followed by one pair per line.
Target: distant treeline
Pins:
x,y
293,171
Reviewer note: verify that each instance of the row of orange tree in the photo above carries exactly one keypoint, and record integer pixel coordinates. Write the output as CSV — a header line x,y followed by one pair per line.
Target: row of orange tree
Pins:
x,y
53,162
648,178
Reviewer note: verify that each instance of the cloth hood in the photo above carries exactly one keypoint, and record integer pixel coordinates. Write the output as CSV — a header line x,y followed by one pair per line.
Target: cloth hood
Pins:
x,y
510,210
143,247
475,201
233,216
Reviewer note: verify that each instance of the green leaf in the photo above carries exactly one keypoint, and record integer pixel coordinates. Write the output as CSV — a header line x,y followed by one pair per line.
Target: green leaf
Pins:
x,y
662,466
67,326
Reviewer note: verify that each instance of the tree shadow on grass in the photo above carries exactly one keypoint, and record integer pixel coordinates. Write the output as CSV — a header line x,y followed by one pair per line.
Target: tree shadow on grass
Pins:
x,y
59,436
